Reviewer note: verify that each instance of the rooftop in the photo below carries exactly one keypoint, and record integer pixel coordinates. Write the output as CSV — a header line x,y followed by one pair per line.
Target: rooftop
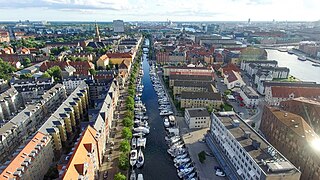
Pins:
x,y
190,77
80,158
198,112
25,156
250,92
286,92
201,95
182,83
259,149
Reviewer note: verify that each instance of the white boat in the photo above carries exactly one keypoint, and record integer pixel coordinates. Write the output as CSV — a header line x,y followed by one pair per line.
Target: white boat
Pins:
x,y
140,177
183,166
140,160
165,113
141,142
184,160
166,122
181,156
141,129
140,134
133,175
133,157
134,143
185,172
189,176
176,152
172,119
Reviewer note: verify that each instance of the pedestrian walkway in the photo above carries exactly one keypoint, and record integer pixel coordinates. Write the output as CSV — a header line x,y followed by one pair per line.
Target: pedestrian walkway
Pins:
x,y
111,166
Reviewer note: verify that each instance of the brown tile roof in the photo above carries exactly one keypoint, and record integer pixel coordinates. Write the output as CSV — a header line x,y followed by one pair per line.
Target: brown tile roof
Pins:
x,y
286,92
230,67
232,76
125,64
296,123
119,55
23,155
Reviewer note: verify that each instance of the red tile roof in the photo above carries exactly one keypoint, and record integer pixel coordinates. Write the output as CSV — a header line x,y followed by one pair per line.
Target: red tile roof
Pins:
x,y
232,76
286,92
119,55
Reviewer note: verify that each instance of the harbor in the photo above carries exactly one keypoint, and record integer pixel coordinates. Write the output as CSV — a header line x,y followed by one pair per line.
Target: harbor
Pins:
x,y
302,70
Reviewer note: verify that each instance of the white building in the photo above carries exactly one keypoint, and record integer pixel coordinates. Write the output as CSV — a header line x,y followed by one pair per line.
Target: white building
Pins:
x,y
245,154
233,79
197,117
250,96
118,26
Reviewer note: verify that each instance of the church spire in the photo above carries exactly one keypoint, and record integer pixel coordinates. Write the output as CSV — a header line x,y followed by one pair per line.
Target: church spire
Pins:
x,y
97,33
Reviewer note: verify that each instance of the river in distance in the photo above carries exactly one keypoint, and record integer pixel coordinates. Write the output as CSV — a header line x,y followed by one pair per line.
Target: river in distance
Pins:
x,y
302,70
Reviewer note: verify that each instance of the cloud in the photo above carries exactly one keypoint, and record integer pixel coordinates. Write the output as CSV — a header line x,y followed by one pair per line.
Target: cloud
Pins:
x,y
69,4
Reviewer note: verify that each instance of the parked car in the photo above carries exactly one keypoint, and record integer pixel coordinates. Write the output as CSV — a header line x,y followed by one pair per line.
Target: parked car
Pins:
x,y
219,171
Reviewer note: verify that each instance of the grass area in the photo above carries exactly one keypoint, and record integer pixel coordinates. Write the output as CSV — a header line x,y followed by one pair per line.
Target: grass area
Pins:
x,y
227,107
289,79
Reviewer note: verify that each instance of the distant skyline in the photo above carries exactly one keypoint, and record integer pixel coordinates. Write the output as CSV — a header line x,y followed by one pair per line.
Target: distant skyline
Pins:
x,y
160,10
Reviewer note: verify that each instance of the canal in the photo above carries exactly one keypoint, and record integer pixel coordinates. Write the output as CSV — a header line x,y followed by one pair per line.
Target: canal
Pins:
x,y
158,164
302,70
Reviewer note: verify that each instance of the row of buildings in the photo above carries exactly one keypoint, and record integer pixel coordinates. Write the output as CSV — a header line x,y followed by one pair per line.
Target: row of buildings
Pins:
x,y
39,138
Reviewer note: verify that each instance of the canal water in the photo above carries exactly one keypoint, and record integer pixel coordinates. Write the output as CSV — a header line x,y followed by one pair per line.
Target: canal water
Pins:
x,y
158,163
302,70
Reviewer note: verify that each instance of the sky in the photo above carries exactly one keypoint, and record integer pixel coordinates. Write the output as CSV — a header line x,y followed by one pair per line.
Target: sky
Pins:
x,y
160,10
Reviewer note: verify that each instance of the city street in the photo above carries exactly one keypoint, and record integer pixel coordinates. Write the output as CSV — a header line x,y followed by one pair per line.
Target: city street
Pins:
x,y
110,167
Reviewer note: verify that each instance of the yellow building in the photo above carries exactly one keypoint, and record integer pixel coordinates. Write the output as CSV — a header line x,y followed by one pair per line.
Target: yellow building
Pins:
x,y
102,62
118,58
200,99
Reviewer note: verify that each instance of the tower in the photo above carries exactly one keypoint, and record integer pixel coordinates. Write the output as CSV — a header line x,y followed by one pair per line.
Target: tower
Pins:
x,y
97,33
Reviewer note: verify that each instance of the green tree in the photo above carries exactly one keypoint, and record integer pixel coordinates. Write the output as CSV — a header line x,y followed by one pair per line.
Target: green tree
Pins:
x,y
227,92
127,122
46,75
125,146
130,100
120,176
26,76
55,71
93,72
6,70
202,156
88,49
126,133
26,62
123,161
129,114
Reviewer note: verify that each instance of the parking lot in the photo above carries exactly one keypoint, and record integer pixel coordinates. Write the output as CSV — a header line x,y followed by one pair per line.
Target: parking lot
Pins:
x,y
195,146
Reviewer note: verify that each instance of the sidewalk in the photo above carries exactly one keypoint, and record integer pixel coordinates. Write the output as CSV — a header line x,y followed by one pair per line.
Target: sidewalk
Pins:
x,y
112,166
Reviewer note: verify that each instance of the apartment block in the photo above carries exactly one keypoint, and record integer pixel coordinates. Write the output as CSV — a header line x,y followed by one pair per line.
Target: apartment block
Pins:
x,y
197,117
248,66
63,123
192,86
277,93
308,109
292,136
199,71
85,161
200,99
30,161
245,154
26,122
250,96
173,78
10,102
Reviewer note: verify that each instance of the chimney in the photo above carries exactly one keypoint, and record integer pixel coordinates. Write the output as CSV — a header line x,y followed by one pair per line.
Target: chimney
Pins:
x,y
256,144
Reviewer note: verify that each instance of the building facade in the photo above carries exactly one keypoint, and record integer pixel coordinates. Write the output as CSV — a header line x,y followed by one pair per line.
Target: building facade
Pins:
x,y
200,100
250,97
245,154
292,136
30,162
197,117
